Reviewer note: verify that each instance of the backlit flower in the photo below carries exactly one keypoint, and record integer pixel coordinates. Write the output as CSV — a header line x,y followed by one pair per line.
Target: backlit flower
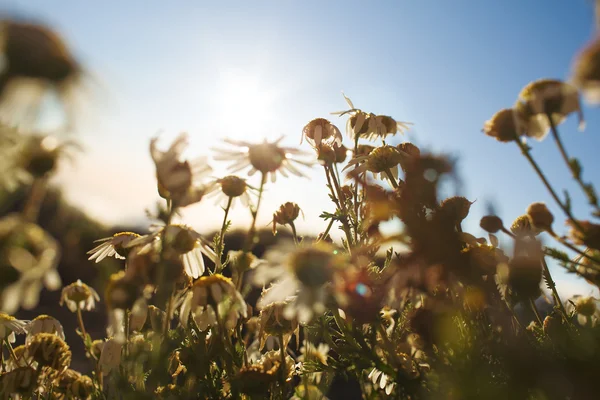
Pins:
x,y
110,357
286,215
230,188
274,324
49,350
586,309
180,181
114,246
310,352
9,326
320,131
378,162
213,300
80,296
266,158
586,71
547,97
186,242
505,126
44,324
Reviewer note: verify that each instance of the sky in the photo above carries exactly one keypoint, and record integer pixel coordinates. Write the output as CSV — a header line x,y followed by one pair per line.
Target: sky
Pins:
x,y
254,70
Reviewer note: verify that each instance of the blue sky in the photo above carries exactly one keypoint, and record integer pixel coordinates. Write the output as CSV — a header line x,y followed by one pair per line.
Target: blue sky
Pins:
x,y
261,69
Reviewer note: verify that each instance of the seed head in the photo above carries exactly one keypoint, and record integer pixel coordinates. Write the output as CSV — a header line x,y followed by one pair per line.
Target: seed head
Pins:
x,y
233,186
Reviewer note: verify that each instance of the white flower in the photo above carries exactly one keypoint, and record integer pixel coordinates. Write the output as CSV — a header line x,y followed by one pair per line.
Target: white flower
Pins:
x,y
139,314
180,181
213,298
113,246
80,296
9,325
188,243
586,309
382,380
311,353
266,158
110,356
302,276
320,131
44,324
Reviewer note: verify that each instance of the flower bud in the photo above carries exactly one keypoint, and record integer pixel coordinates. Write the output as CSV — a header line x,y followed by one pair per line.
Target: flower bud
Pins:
x,y
491,223
540,216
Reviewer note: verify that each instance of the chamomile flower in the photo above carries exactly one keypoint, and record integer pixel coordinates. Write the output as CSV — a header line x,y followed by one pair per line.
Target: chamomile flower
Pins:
x,y
9,326
310,352
180,181
80,296
302,276
586,309
113,246
185,241
44,324
268,158
382,381
379,161
230,188
213,300
320,131
272,323
586,70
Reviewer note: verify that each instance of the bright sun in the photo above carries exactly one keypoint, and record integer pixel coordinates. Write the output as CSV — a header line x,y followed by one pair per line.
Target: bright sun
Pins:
x,y
244,98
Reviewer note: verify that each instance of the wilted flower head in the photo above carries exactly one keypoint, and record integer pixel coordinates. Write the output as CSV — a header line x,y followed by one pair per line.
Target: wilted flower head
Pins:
x,y
79,296
44,324
266,158
286,215
320,131
547,97
586,71
229,189
9,326
180,181
188,244
505,126
212,299
378,162
114,246
303,272
49,350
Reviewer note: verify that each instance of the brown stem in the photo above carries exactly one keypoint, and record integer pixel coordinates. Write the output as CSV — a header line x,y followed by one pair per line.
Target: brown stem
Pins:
x,y
392,179
34,201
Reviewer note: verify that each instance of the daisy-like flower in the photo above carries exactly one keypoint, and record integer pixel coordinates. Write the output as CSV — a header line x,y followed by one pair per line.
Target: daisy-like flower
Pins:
x,y
302,276
28,256
586,309
382,381
310,352
505,126
9,326
113,246
80,296
185,241
286,215
19,380
44,324
546,97
213,298
49,350
369,125
320,131
180,181
378,162
586,71
230,188
273,324
266,158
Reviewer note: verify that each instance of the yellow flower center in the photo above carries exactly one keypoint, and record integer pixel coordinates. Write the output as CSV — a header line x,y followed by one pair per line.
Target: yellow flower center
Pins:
x,y
233,186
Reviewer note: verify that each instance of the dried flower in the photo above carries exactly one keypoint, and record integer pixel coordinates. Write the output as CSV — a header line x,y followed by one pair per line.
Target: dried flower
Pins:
x,y
115,246
180,181
286,215
586,71
273,323
547,97
505,126
19,381
320,131
587,233
540,216
9,325
44,324
456,208
310,352
79,296
266,158
49,350
213,300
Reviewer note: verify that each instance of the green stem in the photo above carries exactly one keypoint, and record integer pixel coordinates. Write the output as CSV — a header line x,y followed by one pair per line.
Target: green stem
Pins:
x,y
219,265
81,325
12,352
35,199
550,282
339,204
331,221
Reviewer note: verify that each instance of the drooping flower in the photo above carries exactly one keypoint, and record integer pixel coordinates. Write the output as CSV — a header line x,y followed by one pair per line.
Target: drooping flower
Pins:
x,y
586,309
506,125
180,181
80,296
302,276
110,356
44,324
286,215
49,350
320,131
186,242
378,162
272,323
268,158
547,97
230,188
113,246
213,300
9,326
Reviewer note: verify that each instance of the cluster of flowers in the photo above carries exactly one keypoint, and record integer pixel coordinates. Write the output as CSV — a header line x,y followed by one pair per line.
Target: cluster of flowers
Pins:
x,y
450,316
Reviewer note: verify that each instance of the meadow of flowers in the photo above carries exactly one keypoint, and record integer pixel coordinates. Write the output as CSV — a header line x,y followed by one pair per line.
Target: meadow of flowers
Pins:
x,y
441,315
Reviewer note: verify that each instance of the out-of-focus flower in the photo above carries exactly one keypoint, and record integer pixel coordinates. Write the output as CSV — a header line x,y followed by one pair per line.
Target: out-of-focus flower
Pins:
x,y
230,188
491,223
36,60
522,227
378,162
242,261
455,209
80,296
180,181
110,357
310,352
273,323
286,215
546,97
382,381
506,125
320,131
138,315
213,300
357,294
44,324
113,246
185,241
586,71
540,217
268,158
587,233
586,309
28,260
9,326
308,392
302,275
49,350
255,379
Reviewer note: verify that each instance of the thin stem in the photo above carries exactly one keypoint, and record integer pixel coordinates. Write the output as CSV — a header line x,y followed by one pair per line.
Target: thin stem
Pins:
x,y
567,160
283,366
12,352
81,325
168,312
535,311
324,234
338,202
392,179
35,199
550,282
294,232
537,169
252,231
219,265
